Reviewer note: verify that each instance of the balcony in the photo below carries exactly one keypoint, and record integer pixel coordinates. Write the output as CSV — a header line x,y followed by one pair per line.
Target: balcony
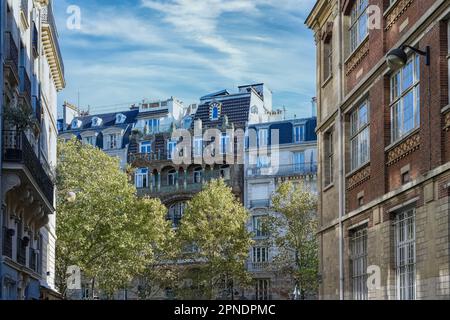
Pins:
x,y
258,266
155,190
11,58
51,46
17,149
301,169
7,242
260,203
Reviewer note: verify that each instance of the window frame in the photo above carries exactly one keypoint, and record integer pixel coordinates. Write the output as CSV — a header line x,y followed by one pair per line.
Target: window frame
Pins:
x,y
198,146
224,147
299,136
358,130
356,14
263,135
171,149
396,104
358,263
145,147
405,221
141,178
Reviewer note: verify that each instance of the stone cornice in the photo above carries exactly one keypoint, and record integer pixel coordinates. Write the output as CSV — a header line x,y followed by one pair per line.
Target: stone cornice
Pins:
x,y
396,12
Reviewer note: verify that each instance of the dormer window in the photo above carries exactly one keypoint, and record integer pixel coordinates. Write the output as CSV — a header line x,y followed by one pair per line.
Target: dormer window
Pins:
x,y
299,133
76,124
120,118
215,110
96,121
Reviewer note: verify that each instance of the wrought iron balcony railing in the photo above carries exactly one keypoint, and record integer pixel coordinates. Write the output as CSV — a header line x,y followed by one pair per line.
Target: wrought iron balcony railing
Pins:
x,y
17,148
307,168
258,266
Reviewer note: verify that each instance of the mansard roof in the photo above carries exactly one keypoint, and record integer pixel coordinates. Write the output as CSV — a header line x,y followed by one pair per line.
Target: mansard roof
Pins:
x,y
236,107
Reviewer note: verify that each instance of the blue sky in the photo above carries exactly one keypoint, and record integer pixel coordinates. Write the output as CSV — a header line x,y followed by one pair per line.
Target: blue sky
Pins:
x,y
129,50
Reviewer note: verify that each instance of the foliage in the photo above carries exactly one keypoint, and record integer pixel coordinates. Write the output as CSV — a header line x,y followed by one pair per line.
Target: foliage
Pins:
x,y
107,231
293,230
214,223
20,116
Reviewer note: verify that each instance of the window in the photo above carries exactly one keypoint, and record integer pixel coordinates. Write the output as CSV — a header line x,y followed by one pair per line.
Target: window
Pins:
x,y
329,158
215,113
171,149
171,178
358,263
263,137
96,121
405,99
76,124
224,144
225,172
198,175
176,213
258,230
405,254
90,140
359,136
141,178
214,110
299,133
262,289
112,141
327,59
299,161
152,125
358,23
120,118
260,254
146,147
198,147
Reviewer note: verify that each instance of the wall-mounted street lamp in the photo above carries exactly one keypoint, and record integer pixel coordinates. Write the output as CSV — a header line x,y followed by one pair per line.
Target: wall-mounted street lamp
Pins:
x,y
397,58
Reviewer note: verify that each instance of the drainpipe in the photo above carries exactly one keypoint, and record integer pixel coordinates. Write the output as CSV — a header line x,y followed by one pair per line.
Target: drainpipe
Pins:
x,y
341,153
2,24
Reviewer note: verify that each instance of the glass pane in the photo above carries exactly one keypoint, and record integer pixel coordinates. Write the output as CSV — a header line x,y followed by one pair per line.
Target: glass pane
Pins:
x,y
407,76
408,112
362,115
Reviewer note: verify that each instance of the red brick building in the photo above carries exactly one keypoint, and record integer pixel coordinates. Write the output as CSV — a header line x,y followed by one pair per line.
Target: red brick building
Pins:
x,y
384,148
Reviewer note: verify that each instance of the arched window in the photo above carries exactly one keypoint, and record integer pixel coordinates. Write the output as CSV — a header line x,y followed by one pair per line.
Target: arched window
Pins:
x,y
198,175
176,213
172,177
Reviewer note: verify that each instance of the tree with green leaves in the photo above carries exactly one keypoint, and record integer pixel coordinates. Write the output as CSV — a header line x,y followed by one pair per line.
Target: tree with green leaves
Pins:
x,y
103,227
214,223
292,229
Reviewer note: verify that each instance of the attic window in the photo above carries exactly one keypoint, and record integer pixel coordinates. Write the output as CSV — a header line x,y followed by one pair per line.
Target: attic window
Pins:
x,y
120,118
96,121
76,123
215,109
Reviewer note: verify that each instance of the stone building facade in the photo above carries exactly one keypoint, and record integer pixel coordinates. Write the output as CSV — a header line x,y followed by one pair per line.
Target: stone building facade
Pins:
x,y
276,152
32,74
383,148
